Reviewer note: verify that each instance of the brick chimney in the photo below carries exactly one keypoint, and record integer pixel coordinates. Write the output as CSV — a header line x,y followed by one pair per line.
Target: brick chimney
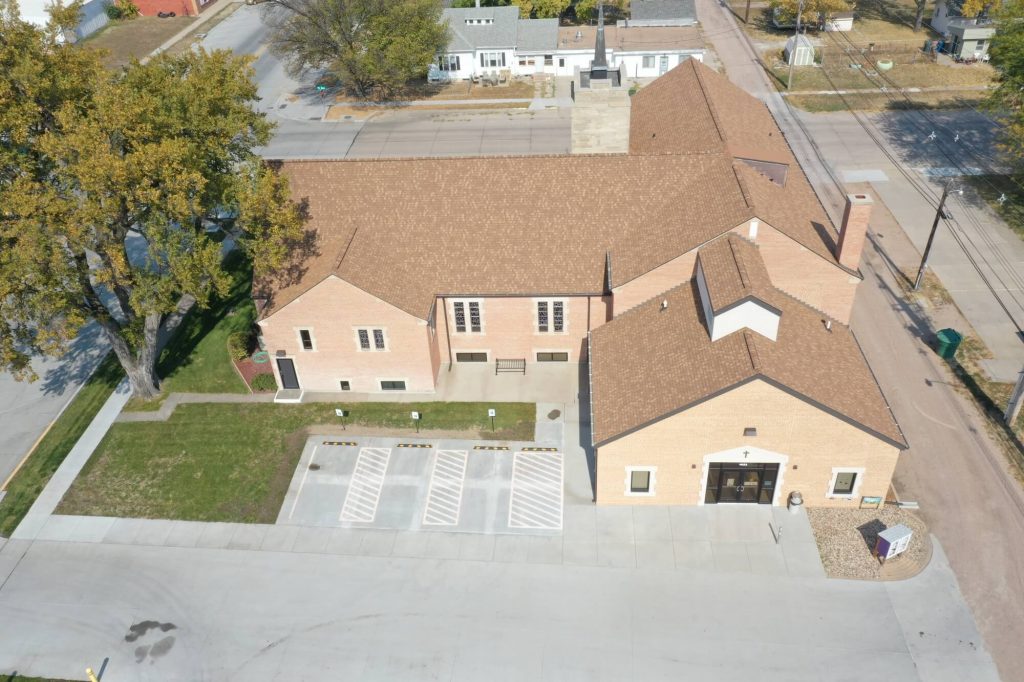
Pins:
x,y
854,230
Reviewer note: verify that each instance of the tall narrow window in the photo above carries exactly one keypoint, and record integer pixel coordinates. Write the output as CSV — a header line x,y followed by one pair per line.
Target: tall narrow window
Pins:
x,y
307,339
378,339
364,339
460,316
474,317
550,317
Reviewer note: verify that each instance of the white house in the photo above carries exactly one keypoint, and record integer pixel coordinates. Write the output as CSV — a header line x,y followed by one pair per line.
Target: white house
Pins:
x,y
494,39
94,16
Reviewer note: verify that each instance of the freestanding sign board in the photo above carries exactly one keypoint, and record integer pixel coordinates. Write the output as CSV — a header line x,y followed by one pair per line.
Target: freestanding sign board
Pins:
x,y
893,541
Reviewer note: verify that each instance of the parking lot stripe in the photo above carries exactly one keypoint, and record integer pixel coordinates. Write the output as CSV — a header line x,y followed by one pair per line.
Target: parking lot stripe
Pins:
x,y
444,497
305,473
536,498
365,485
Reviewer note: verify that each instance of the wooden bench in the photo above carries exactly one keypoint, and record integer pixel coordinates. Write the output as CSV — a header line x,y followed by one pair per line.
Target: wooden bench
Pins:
x,y
510,365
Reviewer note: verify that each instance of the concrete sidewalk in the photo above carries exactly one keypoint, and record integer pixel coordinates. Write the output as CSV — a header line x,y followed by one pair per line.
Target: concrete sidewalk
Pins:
x,y
719,539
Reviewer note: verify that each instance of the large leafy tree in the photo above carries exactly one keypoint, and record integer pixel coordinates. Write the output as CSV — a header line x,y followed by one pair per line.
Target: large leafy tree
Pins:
x,y
814,11
373,47
586,10
109,183
1007,98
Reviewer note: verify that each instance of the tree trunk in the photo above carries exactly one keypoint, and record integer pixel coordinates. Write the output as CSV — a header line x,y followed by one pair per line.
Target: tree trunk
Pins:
x,y
919,17
139,363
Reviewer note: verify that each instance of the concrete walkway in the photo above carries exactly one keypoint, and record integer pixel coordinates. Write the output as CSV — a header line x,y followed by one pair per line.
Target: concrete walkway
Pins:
x,y
174,399
726,539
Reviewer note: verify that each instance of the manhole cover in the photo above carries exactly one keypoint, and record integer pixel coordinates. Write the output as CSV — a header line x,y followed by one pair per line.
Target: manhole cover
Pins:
x,y
314,467
554,414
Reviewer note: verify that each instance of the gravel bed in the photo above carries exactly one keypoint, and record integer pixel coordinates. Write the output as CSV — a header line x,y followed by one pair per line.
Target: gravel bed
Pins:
x,y
846,537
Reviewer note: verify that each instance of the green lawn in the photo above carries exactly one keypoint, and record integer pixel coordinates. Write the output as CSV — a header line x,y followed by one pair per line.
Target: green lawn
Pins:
x,y
233,462
196,360
30,480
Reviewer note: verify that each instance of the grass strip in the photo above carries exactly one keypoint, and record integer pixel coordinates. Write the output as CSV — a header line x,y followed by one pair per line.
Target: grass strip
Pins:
x,y
234,462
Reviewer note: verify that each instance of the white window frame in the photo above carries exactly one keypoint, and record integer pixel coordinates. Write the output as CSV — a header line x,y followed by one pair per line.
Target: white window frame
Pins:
x,y
469,322
487,57
551,316
380,389
445,62
653,61
653,471
369,328
312,339
853,494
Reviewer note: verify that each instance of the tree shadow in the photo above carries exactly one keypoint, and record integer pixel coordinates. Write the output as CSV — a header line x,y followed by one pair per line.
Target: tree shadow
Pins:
x,y
78,361
585,427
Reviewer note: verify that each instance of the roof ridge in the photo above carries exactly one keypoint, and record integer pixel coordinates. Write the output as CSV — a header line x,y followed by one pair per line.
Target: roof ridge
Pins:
x,y
748,198
710,105
755,359
741,268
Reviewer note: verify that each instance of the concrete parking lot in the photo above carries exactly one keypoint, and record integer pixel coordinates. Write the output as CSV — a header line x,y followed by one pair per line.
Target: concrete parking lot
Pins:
x,y
426,484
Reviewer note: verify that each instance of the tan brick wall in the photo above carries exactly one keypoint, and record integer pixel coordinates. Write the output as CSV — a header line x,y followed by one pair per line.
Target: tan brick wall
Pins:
x,y
805,275
814,441
332,310
510,329
655,282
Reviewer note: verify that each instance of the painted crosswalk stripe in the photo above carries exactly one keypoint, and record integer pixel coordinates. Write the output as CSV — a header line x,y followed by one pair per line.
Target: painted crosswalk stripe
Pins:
x,y
444,497
536,495
365,485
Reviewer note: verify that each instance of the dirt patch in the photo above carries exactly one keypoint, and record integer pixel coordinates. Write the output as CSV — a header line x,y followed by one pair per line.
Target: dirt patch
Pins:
x,y
250,370
136,38
846,538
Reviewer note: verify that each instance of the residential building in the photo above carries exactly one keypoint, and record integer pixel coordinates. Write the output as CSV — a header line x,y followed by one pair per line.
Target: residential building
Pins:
x,y
964,37
566,259
494,39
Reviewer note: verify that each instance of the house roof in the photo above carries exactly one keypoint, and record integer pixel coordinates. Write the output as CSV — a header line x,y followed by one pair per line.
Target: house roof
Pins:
x,y
632,38
722,118
733,272
407,230
396,228
650,362
537,35
465,37
662,10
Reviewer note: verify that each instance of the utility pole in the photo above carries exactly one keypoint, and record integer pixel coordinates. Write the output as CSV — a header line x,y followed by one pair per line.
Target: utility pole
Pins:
x,y
931,237
746,15
796,41
1016,400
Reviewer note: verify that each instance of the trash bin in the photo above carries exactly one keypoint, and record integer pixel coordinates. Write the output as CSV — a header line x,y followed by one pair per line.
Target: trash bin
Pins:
x,y
796,501
947,341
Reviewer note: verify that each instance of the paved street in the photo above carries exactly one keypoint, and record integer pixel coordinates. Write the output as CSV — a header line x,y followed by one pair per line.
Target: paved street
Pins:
x,y
301,134
187,614
26,409
967,493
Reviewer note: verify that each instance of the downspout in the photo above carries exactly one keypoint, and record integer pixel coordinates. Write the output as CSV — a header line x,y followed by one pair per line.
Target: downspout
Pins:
x,y
447,332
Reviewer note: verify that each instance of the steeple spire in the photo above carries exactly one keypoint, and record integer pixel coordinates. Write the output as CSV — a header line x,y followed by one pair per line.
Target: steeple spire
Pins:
x,y
599,66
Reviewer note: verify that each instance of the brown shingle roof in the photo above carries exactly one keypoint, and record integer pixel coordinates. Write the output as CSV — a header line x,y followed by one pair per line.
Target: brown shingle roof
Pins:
x,y
406,230
733,271
649,363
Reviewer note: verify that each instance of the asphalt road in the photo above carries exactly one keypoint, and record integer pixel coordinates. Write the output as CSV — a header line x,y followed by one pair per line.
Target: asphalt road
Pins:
x,y
296,108
26,409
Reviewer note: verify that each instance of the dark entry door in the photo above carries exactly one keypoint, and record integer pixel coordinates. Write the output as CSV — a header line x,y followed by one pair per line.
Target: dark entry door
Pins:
x,y
287,369
753,483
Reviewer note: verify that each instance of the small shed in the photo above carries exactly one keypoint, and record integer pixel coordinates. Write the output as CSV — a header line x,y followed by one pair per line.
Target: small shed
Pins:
x,y
799,51
969,38
840,21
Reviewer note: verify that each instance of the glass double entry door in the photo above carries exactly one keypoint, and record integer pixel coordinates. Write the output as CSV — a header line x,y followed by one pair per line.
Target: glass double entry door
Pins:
x,y
751,483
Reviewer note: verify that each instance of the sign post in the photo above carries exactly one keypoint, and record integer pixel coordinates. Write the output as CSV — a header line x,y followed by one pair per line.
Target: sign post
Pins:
x,y
490,413
341,413
321,88
416,419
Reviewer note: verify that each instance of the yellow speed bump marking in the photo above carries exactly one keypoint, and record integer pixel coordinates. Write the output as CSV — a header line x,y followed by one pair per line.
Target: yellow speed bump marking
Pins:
x,y
540,449
490,447
415,445
340,442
